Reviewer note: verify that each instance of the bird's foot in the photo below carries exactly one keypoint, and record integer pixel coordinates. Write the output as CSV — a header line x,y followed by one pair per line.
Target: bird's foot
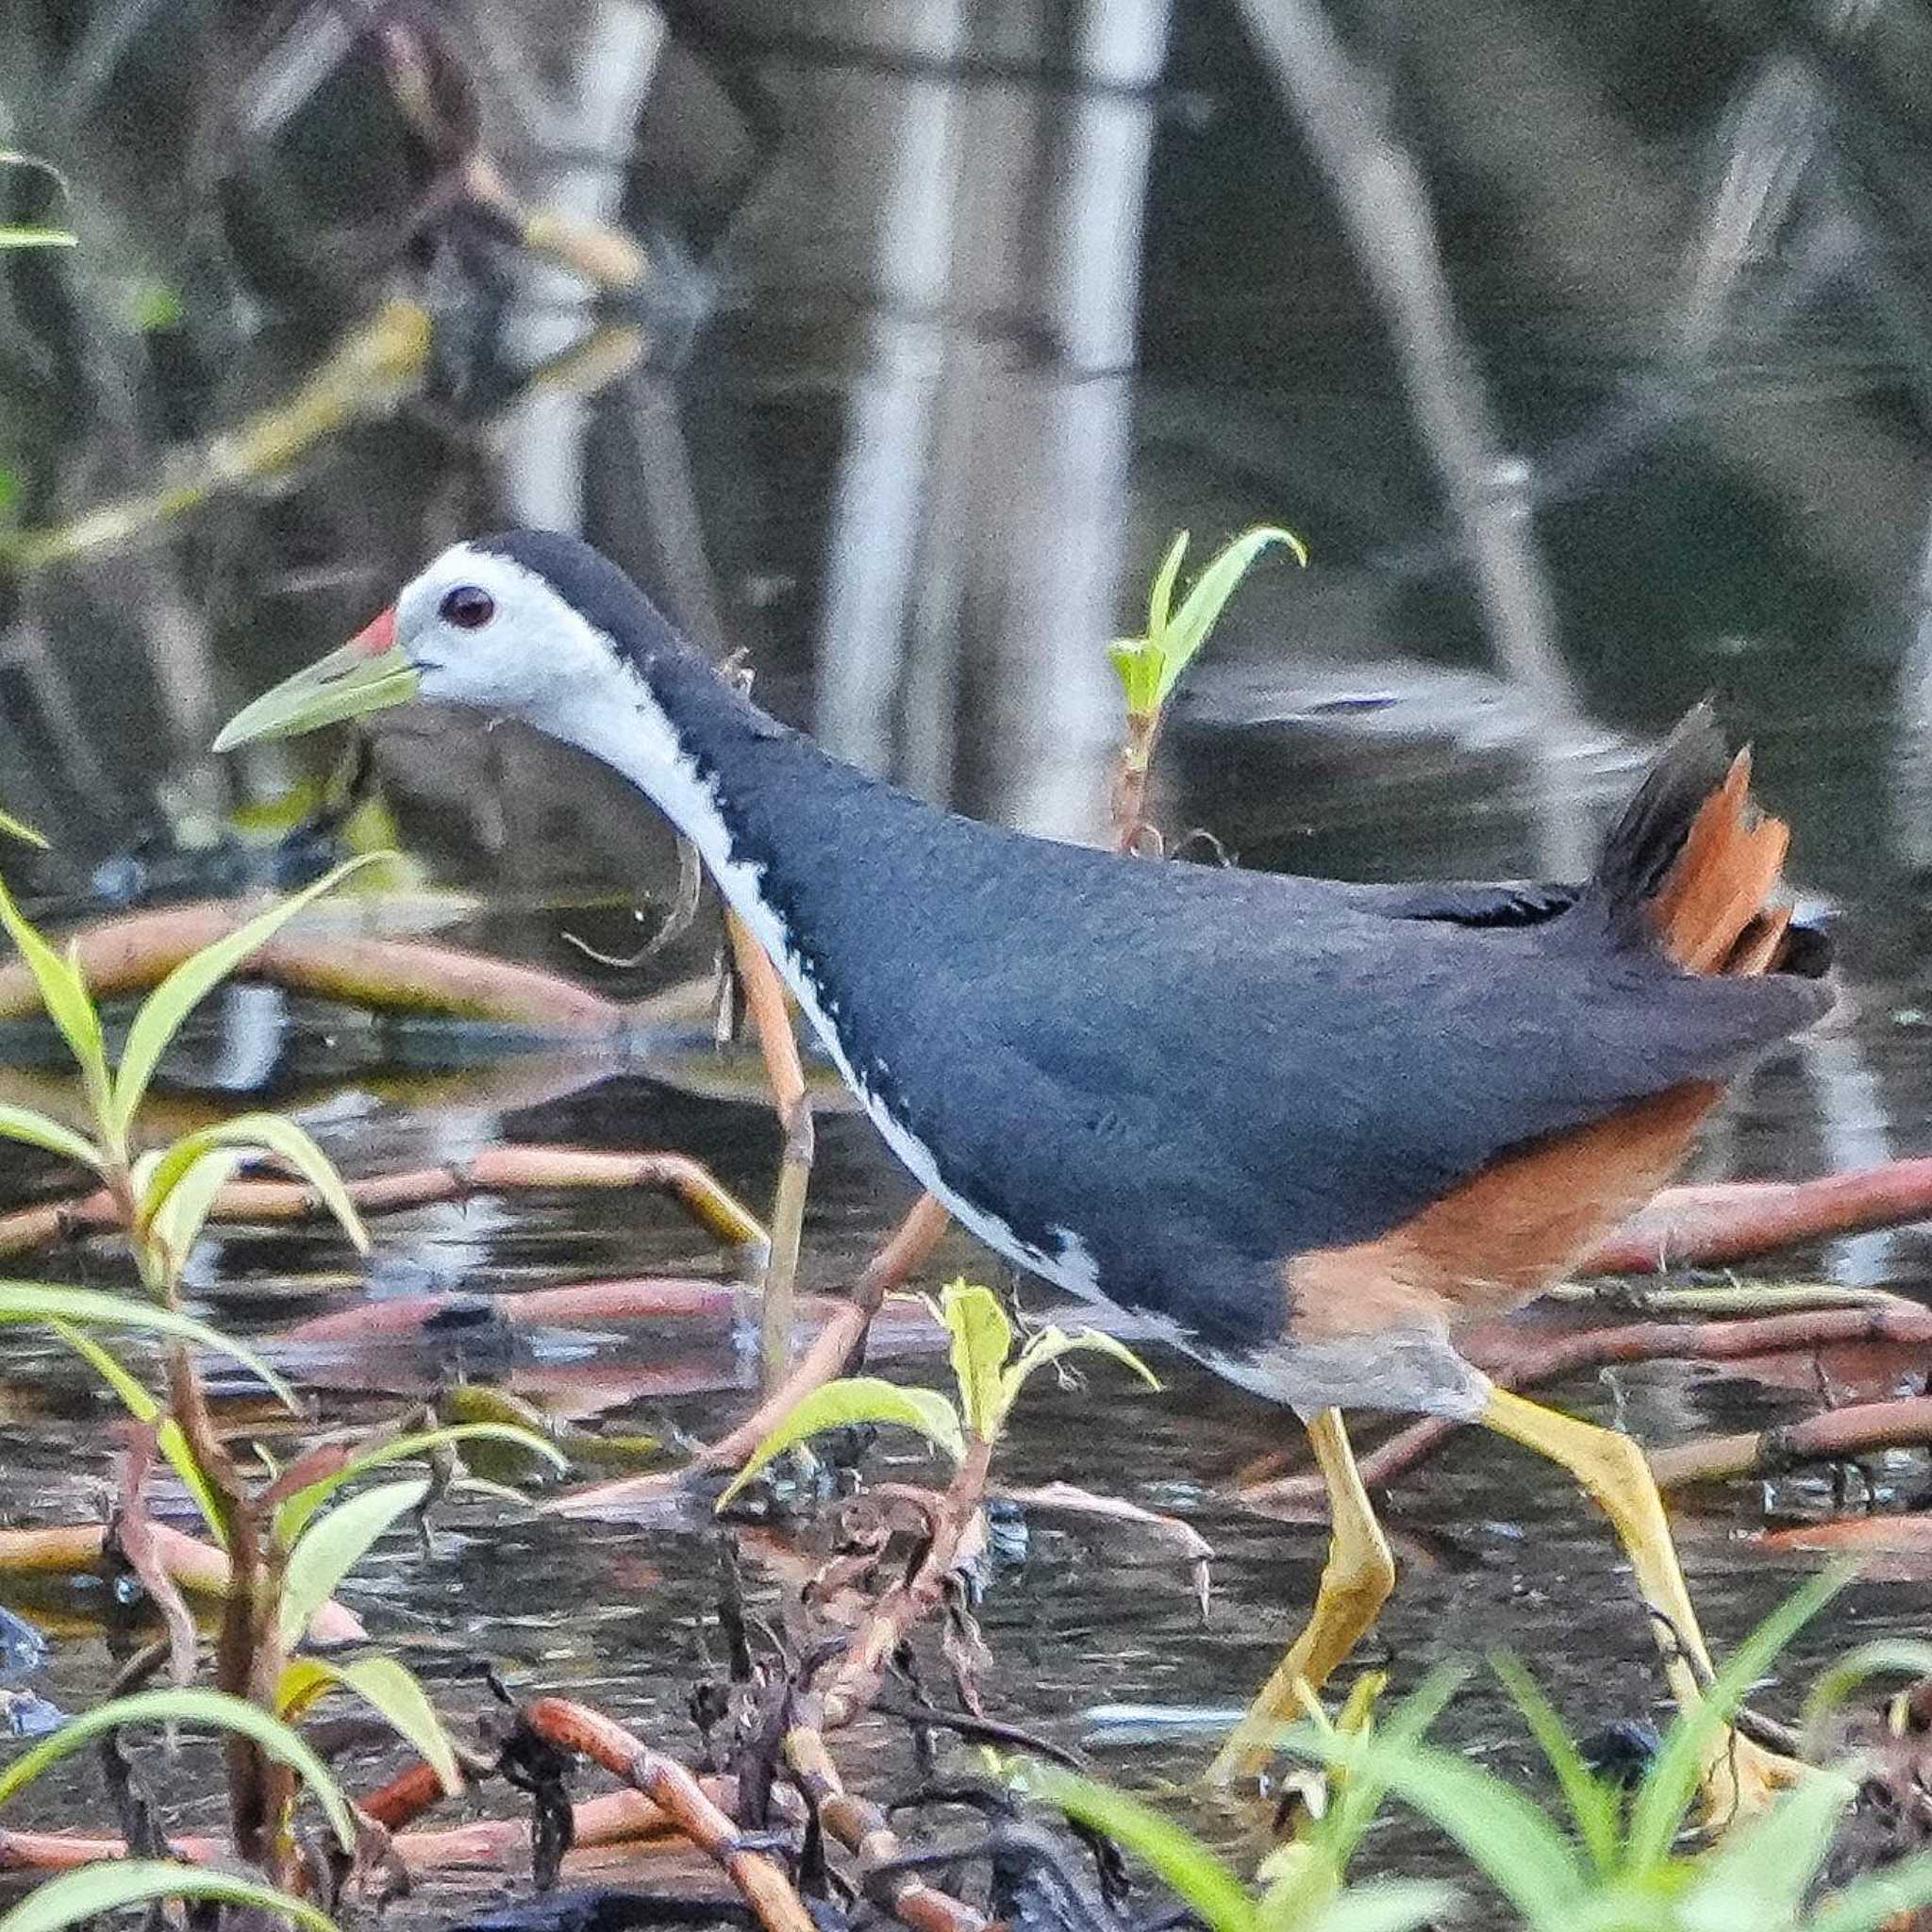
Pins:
x,y
1742,1780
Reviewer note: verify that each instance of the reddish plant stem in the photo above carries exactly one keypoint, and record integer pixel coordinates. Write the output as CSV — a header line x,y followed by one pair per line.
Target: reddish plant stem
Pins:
x,y
861,1666
1830,1437
74,1550
587,1733
861,1827
1735,1220
132,955
514,1169
764,994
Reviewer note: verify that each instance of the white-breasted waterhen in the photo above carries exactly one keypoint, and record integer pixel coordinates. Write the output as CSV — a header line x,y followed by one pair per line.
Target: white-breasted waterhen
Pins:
x,y
1307,1128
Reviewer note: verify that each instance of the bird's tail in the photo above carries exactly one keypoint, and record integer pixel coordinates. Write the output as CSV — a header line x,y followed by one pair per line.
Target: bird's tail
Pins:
x,y
1692,865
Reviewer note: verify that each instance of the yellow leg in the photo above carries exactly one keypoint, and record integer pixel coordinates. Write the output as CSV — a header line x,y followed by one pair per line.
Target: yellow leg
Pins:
x,y
1612,1469
1355,1582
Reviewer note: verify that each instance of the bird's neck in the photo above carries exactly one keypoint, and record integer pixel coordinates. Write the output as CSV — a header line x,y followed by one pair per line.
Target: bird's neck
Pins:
x,y
733,780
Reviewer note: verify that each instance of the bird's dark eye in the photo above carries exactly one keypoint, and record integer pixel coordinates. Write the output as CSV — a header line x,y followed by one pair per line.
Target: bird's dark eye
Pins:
x,y
467,607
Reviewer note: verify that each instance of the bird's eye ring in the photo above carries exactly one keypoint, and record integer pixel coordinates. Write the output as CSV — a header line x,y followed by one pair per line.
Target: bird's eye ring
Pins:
x,y
467,607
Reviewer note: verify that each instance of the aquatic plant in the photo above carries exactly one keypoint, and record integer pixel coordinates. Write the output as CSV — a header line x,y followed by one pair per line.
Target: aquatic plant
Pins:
x,y
988,1374
1602,1858
288,1542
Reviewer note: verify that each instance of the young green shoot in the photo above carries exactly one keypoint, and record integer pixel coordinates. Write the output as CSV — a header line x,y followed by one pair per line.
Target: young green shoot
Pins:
x,y
987,1377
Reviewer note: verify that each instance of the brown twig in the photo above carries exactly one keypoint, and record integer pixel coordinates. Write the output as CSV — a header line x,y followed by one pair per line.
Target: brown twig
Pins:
x,y
507,1170
1832,1436
861,1667
583,1732
772,1018
1736,1221
74,1550
133,953
133,1530
861,1827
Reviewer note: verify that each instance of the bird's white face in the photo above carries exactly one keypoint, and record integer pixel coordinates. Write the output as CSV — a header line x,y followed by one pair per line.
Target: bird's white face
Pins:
x,y
476,628
481,629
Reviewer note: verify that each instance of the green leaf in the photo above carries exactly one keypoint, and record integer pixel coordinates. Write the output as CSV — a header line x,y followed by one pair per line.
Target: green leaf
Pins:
x,y
1050,1345
1160,592
1501,1833
174,1226
1761,1874
215,1710
982,1337
171,1437
35,1301
856,1399
94,1891
18,828
1201,609
50,1135
298,1511
252,1133
1867,1904
1594,1805
163,1011
65,994
1186,1866
392,1692
334,1545
1668,1787
1391,1904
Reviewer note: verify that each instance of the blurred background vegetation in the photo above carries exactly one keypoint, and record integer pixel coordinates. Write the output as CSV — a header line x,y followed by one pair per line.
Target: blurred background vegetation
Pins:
x,y
1590,349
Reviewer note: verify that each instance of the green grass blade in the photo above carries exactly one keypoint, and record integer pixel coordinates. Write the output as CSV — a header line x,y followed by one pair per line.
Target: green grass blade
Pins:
x,y
981,1340
1501,1833
16,236
163,1011
1051,1344
174,1226
170,1436
1884,1656
1160,592
1657,1815
1390,1905
856,1399
65,994
214,1709
77,1897
19,829
1186,1866
1359,1796
1761,1873
38,1131
1594,1805
37,1301
1202,607
298,1512
334,1545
